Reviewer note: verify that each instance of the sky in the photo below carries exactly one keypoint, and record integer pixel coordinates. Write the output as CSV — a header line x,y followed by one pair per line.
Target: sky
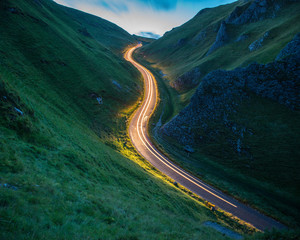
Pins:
x,y
150,18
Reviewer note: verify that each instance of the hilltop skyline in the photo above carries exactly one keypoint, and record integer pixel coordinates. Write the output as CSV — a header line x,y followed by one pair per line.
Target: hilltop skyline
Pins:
x,y
155,17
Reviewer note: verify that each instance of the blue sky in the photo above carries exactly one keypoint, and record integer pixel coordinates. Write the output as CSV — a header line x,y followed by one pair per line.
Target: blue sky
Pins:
x,y
144,17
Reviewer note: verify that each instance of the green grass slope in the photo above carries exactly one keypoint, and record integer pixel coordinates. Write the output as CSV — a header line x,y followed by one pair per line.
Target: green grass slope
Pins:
x,y
59,175
107,33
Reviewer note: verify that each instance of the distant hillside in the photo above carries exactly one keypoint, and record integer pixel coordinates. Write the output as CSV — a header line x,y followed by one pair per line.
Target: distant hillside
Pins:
x,y
144,40
229,109
224,37
65,97
105,32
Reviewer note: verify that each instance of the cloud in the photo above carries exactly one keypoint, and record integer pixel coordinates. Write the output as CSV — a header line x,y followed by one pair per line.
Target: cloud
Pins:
x,y
121,6
168,5
164,5
116,7
149,35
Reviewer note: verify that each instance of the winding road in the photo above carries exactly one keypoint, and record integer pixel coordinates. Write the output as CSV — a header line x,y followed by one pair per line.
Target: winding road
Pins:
x,y
138,131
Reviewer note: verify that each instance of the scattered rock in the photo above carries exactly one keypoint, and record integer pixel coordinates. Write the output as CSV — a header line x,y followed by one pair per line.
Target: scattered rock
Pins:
x,y
117,84
241,38
258,43
6,185
162,74
99,100
19,111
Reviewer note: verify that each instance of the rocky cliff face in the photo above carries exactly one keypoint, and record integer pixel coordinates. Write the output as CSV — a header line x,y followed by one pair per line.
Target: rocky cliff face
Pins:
x,y
187,80
258,43
255,11
221,92
250,12
221,39
292,48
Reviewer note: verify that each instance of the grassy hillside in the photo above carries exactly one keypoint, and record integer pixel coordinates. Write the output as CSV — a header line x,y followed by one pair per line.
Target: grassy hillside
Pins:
x,y
105,32
65,97
185,48
143,40
267,178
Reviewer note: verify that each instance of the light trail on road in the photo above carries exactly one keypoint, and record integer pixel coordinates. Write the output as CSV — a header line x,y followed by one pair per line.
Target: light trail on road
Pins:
x,y
138,132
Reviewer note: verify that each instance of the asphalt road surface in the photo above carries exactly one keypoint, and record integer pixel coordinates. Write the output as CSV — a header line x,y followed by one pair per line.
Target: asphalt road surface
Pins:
x,y
140,138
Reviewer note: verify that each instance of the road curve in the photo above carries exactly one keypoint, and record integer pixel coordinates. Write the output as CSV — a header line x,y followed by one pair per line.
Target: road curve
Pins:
x,y
140,138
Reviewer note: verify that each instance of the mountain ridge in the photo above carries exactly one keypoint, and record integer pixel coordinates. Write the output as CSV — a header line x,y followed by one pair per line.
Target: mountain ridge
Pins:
x,y
196,42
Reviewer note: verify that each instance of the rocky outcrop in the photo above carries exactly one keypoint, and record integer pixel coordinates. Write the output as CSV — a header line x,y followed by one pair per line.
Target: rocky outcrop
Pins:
x,y
241,38
255,11
221,39
251,11
258,43
292,48
118,85
217,95
188,80
201,36
221,92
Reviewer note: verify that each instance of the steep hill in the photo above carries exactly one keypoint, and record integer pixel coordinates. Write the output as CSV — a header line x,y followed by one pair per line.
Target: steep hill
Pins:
x,y
65,97
224,37
108,34
237,128
143,40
